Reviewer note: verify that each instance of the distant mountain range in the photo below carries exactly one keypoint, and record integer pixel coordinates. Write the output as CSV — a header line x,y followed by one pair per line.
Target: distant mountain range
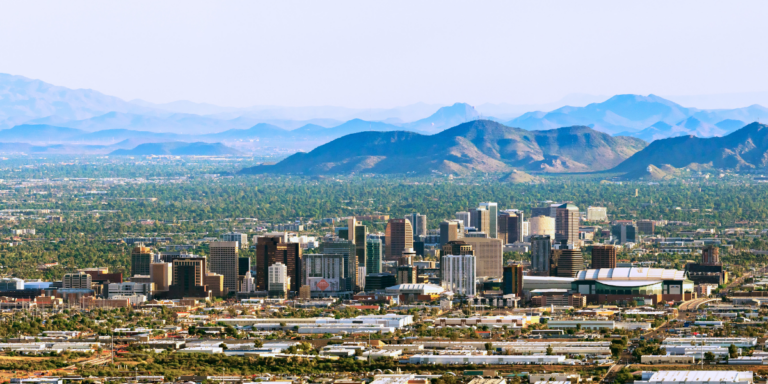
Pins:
x,y
46,117
647,117
178,149
481,145
747,148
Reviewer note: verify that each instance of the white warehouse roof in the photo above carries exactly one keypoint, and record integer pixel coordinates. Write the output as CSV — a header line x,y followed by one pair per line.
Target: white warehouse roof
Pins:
x,y
697,376
425,289
631,274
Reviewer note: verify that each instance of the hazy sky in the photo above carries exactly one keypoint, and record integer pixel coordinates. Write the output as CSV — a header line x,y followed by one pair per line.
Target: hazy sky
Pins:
x,y
387,53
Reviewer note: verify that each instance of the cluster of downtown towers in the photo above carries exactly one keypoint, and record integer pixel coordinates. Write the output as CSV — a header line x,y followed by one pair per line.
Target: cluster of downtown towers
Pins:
x,y
467,248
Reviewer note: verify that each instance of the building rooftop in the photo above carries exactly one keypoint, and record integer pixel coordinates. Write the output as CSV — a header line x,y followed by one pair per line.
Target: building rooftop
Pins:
x,y
629,274
698,376
426,288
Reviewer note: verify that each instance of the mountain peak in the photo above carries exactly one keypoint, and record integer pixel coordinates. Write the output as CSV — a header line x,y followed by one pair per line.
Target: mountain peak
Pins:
x,y
445,117
478,145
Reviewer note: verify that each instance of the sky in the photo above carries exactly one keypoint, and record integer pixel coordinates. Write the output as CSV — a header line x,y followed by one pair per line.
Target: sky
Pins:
x,y
379,54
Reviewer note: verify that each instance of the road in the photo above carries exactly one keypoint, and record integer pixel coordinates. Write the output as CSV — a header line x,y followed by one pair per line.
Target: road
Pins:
x,y
694,304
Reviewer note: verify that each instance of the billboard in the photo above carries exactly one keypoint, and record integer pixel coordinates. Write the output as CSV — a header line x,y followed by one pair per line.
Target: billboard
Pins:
x,y
319,284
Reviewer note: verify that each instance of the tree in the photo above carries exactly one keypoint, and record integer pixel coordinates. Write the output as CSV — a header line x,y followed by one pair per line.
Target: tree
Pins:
x,y
623,376
709,356
733,352
550,352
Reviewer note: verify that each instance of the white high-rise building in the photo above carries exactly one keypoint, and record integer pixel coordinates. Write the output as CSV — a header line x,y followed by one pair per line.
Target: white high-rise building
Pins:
x,y
248,285
324,273
598,214
541,226
279,282
418,223
459,274
241,238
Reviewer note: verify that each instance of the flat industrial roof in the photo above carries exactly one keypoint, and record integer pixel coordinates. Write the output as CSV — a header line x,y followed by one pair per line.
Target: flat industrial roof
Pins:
x,y
633,283
708,376
633,273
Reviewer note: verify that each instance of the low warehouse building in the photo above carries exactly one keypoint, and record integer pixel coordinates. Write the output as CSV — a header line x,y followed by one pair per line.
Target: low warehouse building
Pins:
x,y
696,377
666,359
740,342
485,359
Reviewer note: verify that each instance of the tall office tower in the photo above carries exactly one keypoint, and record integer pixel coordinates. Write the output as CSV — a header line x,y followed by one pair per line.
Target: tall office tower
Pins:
x,y
547,210
223,260
215,283
541,253
489,256
406,274
161,274
603,256
279,282
243,265
357,234
511,226
418,247
542,226
240,238
418,223
406,258
79,280
464,217
273,249
526,230
141,258
710,255
554,259
188,275
195,275
346,249
360,283
451,230
512,282
597,214
646,227
567,224
379,281
248,284
456,247
570,262
399,235
266,255
324,273
624,232
540,211
361,234
351,226
374,254
493,219
458,274
481,219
